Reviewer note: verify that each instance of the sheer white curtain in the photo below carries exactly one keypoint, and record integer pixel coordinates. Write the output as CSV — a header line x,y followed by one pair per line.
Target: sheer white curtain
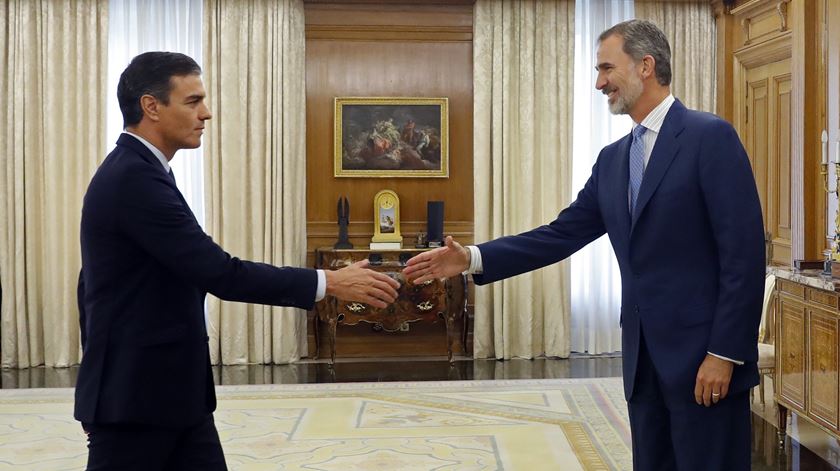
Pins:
x,y
138,26
595,279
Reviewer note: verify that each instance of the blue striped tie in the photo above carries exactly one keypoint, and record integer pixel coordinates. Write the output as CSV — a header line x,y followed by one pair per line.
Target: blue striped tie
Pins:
x,y
637,165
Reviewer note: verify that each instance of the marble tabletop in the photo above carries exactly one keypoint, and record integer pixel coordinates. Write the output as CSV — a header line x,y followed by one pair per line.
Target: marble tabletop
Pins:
x,y
812,278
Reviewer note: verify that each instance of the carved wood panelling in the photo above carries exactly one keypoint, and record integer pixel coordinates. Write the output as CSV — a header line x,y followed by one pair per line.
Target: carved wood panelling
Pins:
x,y
389,41
822,367
367,48
824,298
760,20
763,109
790,352
793,289
807,352
759,32
779,212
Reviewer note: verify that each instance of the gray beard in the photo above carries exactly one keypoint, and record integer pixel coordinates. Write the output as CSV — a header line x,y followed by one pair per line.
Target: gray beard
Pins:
x,y
619,106
623,104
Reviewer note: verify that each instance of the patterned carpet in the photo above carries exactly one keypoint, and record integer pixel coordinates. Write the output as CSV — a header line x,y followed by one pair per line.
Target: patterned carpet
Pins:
x,y
565,424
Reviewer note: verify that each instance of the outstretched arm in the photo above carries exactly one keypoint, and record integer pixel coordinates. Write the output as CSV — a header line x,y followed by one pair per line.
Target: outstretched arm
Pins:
x,y
443,262
508,256
359,283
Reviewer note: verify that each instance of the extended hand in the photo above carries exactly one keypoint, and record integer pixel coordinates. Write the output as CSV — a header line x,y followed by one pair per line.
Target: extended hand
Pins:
x,y
358,283
442,262
712,380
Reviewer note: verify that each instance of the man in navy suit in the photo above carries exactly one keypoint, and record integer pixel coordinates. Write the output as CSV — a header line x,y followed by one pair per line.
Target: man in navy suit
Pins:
x,y
145,392
679,202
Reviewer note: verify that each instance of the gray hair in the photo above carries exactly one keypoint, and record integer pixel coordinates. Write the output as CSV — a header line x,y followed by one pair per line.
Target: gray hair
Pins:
x,y
642,38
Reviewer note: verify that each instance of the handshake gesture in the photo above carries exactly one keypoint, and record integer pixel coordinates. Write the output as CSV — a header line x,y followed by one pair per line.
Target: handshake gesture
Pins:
x,y
443,262
359,283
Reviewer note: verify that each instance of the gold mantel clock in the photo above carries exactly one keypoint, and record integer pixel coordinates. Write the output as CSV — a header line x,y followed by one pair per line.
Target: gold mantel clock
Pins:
x,y
386,213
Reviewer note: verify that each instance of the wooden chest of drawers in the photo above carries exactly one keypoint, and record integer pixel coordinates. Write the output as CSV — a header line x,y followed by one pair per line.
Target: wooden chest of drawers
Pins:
x,y
807,346
435,300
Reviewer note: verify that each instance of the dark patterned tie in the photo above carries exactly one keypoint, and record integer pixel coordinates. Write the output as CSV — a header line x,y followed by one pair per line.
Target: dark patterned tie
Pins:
x,y
637,165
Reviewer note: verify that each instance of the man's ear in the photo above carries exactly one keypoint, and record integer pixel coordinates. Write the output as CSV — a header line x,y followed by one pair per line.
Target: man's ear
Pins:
x,y
149,105
648,66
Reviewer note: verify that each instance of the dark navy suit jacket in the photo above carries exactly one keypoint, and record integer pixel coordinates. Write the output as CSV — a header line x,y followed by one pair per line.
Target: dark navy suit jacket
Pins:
x,y
691,257
146,268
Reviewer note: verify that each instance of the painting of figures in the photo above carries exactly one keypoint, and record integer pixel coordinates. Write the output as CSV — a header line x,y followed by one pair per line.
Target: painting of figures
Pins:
x,y
391,137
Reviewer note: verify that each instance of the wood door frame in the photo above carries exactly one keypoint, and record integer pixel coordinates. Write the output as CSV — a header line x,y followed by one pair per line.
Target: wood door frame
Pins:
x,y
748,57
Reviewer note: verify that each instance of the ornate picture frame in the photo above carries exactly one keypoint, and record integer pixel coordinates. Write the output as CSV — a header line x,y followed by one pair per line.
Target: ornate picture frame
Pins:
x,y
391,137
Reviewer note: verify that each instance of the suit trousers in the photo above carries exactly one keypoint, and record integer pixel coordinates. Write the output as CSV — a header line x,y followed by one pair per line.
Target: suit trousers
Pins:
x,y
671,432
151,448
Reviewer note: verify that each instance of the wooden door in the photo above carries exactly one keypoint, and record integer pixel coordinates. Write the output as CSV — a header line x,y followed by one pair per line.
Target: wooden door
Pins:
x,y
766,132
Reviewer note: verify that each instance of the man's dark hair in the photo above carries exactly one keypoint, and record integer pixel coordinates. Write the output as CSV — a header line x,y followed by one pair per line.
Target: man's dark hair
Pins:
x,y
150,73
642,38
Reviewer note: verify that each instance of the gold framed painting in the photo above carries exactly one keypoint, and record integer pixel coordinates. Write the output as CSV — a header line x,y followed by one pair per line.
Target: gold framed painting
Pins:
x,y
391,137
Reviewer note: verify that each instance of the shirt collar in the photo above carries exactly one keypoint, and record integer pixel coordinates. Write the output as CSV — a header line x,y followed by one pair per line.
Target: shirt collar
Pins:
x,y
653,121
152,148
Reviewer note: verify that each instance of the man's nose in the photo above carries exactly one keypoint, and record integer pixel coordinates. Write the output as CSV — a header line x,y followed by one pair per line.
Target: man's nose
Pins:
x,y
600,83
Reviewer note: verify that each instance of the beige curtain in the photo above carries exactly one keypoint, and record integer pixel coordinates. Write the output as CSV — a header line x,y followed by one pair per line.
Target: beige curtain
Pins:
x,y
523,61
690,28
53,82
256,165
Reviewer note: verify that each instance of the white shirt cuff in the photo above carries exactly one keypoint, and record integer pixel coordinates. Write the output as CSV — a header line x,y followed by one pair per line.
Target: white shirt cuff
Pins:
x,y
725,358
321,290
476,267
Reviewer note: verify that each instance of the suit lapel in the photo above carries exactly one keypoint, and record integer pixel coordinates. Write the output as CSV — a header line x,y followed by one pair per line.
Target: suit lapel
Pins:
x,y
664,151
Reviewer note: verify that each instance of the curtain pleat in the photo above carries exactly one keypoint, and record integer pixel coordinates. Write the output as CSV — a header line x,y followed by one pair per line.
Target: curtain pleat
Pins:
x,y
523,86
53,80
255,165
690,28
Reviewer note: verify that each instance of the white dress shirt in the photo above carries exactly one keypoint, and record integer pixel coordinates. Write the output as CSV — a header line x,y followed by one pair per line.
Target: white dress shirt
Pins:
x,y
320,291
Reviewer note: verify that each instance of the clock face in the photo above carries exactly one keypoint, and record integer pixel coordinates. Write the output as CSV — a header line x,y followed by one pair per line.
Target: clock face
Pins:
x,y
386,202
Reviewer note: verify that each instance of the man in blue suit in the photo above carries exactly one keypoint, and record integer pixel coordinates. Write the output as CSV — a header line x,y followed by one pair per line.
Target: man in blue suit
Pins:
x,y
145,392
679,202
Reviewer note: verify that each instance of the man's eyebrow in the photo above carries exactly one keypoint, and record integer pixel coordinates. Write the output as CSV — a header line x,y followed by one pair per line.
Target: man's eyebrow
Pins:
x,y
195,96
602,65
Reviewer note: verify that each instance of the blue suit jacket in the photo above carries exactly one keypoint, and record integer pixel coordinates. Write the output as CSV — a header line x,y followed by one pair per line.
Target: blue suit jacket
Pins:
x,y
691,257
146,268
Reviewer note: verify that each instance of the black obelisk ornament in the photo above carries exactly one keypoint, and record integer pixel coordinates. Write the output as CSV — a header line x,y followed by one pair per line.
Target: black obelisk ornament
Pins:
x,y
343,220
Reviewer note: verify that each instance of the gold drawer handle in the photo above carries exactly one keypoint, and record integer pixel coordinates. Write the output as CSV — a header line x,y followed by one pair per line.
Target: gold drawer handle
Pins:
x,y
356,307
425,306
